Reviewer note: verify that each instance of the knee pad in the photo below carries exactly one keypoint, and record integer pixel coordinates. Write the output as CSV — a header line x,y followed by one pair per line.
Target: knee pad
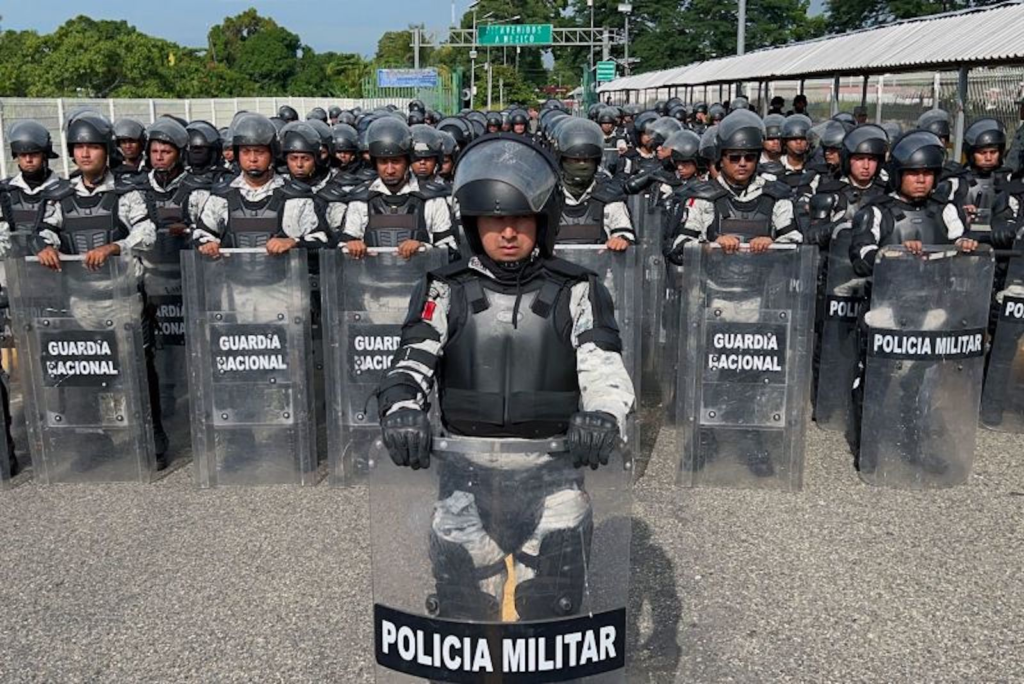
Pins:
x,y
557,588
458,584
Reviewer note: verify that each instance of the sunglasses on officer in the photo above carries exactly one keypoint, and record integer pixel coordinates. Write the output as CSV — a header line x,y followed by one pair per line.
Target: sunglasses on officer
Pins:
x,y
737,157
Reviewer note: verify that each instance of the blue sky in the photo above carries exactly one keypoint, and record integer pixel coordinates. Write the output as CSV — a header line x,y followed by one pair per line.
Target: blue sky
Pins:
x,y
340,25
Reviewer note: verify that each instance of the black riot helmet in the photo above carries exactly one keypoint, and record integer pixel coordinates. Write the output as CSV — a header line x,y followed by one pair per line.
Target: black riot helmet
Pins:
x,y
168,131
700,108
449,147
478,120
679,113
519,117
773,126
935,121
865,139
643,120
494,119
333,112
388,137
347,117
299,136
579,138
982,133
740,102
684,146
893,130
414,118
607,115
204,144
709,150
740,130
917,150
90,128
326,135
287,113
661,108
827,135
717,112
458,128
256,130
345,138
317,113
661,128
129,129
426,143
431,117
508,175
592,111
796,126
30,136
417,106
846,119
552,103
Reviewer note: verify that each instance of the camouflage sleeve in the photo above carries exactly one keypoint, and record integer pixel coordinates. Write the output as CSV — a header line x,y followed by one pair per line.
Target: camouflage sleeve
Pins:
x,y
604,382
301,222
133,212
356,219
408,382
698,215
5,239
50,221
617,222
196,202
439,223
212,220
335,215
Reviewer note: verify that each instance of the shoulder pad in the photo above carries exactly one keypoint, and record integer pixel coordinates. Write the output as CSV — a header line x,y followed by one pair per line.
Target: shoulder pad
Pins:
x,y
127,183
360,193
568,269
880,201
59,190
433,190
775,168
608,190
862,219
293,189
777,190
829,184
333,192
708,190
367,174
194,182
222,188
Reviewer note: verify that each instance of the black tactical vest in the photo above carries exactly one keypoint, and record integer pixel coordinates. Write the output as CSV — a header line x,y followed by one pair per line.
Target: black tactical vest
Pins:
x,y
745,220
22,212
923,223
252,224
982,194
505,380
393,219
90,222
582,224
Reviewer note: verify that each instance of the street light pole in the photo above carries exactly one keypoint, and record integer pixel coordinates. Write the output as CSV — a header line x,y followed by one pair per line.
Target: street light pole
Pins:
x,y
626,8
741,29
472,67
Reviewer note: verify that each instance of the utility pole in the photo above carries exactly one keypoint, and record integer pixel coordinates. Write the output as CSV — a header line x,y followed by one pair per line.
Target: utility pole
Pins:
x,y
415,46
741,29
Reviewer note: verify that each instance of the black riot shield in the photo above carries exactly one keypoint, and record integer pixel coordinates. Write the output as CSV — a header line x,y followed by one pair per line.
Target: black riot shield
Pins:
x,y
838,351
162,277
744,370
365,303
499,563
1002,401
250,370
925,336
86,398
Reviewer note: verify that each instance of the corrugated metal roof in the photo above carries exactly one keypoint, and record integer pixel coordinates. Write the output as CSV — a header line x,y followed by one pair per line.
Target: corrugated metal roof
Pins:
x,y
990,35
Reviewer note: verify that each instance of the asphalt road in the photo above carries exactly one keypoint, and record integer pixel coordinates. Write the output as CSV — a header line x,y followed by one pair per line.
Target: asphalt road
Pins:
x,y
838,583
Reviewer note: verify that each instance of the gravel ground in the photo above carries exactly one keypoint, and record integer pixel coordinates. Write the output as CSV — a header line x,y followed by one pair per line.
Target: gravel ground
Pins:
x,y
837,583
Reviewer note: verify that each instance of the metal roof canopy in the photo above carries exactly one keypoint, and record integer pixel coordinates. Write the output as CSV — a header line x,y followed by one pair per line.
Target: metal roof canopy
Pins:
x,y
987,36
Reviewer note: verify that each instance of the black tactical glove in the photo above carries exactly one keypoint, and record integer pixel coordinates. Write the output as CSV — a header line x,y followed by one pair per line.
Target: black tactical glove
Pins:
x,y
592,437
637,183
407,438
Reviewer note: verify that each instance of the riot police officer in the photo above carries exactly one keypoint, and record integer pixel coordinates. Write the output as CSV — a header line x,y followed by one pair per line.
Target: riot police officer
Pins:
x,y
519,119
983,177
797,146
427,152
552,326
615,144
333,113
741,206
204,159
131,142
828,141
936,121
346,155
91,213
682,163
772,153
396,209
286,113
258,208
914,214
21,197
594,209
449,154
642,156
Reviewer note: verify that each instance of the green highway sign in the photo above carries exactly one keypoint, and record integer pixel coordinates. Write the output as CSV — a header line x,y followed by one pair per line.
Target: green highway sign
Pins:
x,y
514,34
606,71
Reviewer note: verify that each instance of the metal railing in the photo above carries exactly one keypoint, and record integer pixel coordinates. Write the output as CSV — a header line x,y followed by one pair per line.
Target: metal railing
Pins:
x,y
52,112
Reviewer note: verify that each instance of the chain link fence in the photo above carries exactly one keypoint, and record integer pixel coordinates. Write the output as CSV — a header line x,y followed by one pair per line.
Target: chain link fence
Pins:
x,y
53,112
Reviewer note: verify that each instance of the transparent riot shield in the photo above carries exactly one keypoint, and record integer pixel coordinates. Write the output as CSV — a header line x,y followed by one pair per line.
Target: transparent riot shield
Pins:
x,y
365,303
86,398
923,370
838,350
250,370
744,369
1002,402
162,277
499,563
647,213
670,340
